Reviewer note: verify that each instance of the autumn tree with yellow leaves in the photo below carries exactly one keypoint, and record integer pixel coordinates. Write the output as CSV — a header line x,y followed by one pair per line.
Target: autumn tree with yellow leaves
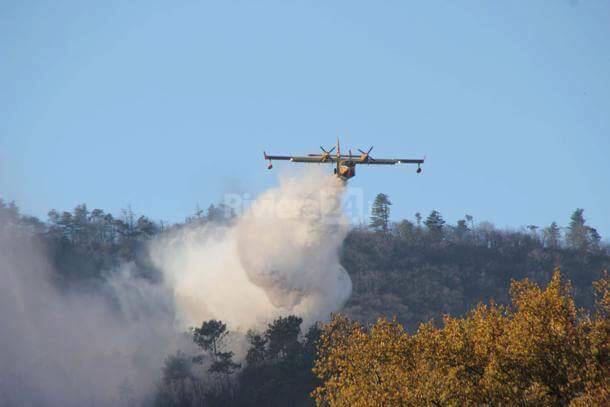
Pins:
x,y
540,350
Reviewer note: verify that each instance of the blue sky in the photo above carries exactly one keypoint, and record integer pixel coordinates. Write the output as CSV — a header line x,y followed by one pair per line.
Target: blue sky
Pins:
x,y
162,105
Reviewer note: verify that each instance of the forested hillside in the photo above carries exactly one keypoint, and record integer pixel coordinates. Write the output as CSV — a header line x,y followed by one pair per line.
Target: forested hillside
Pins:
x,y
415,270
423,269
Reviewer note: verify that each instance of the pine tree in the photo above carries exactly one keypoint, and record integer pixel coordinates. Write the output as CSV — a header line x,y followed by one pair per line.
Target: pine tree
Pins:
x,y
552,236
210,338
435,223
256,353
461,229
470,220
418,219
406,230
595,238
380,213
578,233
282,337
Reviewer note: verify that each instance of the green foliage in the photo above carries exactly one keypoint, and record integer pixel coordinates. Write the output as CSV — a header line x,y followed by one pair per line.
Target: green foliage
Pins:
x,y
178,385
594,239
461,230
578,234
380,213
412,271
418,274
435,224
279,362
176,367
256,355
418,219
223,363
552,236
210,337
218,214
282,337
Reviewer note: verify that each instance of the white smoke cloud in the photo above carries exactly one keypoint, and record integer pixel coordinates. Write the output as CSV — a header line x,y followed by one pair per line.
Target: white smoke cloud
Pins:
x,y
280,257
74,348
107,348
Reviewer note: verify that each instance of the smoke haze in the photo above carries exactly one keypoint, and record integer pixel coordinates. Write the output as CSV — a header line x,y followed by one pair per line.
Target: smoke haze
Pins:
x,y
106,347
74,349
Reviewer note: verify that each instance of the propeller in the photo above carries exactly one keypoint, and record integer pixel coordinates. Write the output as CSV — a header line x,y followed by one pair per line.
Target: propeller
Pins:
x,y
326,154
365,155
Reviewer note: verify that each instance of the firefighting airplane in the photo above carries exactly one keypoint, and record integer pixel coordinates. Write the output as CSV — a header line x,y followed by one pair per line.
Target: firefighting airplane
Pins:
x,y
346,164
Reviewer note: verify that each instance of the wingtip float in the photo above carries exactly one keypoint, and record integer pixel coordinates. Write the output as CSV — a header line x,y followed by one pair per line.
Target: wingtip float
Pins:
x,y
345,163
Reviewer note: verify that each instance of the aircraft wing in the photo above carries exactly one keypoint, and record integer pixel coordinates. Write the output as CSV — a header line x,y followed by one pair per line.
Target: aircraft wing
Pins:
x,y
392,161
357,159
317,158
312,159
300,159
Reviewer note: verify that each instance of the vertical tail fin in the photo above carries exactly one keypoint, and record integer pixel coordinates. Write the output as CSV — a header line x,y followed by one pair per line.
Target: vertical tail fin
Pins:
x,y
338,154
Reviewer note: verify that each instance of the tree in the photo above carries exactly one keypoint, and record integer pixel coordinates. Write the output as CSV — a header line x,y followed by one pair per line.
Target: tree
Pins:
x,y
176,389
33,225
210,337
109,228
198,218
470,220
537,351
176,367
278,369
406,230
312,337
533,230
220,213
552,236
9,213
224,364
80,220
594,238
577,236
282,337
146,228
53,217
435,223
461,230
256,353
380,213
418,219
66,225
